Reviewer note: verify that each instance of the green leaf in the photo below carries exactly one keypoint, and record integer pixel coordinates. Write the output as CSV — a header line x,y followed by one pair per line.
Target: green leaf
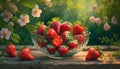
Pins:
x,y
14,19
117,43
16,36
14,39
39,23
11,29
28,4
31,27
77,22
56,19
2,40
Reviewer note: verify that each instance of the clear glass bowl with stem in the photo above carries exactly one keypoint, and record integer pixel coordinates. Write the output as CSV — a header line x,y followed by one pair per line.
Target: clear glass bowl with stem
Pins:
x,y
36,39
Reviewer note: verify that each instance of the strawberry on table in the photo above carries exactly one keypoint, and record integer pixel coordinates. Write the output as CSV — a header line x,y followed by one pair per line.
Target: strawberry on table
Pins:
x,y
11,50
57,41
93,54
51,49
63,50
56,26
26,54
77,29
66,26
51,33
80,38
72,44
41,29
65,35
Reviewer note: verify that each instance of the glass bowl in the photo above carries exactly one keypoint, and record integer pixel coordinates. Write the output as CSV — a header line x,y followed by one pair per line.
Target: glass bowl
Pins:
x,y
38,39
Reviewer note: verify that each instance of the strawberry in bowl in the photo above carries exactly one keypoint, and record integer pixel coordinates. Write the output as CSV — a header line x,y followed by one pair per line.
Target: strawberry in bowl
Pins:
x,y
60,39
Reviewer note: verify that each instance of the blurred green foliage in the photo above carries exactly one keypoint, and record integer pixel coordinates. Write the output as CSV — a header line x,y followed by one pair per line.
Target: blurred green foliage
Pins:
x,y
72,10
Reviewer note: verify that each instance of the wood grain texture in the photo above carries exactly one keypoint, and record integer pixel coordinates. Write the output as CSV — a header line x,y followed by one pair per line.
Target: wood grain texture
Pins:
x,y
78,61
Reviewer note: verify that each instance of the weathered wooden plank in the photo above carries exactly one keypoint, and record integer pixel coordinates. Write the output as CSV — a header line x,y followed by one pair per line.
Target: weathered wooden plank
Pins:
x,y
103,47
41,61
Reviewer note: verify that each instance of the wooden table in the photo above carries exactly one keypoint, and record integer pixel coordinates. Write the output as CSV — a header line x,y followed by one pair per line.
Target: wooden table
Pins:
x,y
77,62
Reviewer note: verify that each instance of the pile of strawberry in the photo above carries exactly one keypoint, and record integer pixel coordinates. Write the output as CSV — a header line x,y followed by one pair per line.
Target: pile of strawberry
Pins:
x,y
60,37
24,54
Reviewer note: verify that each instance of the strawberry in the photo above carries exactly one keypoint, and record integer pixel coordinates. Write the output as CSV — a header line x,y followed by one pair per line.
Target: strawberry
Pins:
x,y
65,27
63,50
26,54
56,26
11,50
42,43
51,49
65,35
93,54
80,38
77,29
57,41
51,33
41,29
73,44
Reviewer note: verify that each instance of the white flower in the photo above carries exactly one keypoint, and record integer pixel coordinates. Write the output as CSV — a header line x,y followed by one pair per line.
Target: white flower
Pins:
x,y
98,21
12,7
36,11
11,24
5,33
92,19
7,15
24,19
95,7
113,20
48,3
106,26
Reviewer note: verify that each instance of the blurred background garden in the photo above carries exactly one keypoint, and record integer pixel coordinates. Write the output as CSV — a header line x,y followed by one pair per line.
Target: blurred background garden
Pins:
x,y
104,30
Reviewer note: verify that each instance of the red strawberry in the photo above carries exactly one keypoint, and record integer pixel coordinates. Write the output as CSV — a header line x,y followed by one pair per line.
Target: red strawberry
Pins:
x,y
56,26
51,49
72,44
42,43
57,41
11,50
65,35
93,54
80,38
77,29
63,50
65,27
26,54
51,33
41,29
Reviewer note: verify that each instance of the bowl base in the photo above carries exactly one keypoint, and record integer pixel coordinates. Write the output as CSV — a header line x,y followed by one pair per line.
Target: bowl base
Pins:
x,y
53,57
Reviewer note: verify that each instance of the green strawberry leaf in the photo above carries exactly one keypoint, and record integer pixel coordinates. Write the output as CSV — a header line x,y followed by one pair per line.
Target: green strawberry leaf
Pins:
x,y
14,19
10,28
31,27
14,39
77,22
29,4
16,36
39,23
56,19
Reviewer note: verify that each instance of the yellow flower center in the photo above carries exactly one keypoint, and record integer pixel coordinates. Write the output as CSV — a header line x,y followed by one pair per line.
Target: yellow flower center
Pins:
x,y
23,19
6,15
36,11
5,34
